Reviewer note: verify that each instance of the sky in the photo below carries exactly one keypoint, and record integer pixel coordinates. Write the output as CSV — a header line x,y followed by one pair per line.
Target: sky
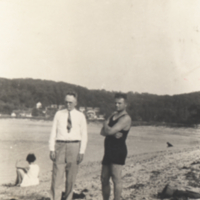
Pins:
x,y
141,46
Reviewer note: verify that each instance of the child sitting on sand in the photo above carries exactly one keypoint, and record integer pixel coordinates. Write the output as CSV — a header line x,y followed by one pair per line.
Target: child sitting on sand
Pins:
x,y
27,175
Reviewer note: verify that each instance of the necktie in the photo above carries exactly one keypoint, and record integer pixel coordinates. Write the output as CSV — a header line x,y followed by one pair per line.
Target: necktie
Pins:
x,y
69,122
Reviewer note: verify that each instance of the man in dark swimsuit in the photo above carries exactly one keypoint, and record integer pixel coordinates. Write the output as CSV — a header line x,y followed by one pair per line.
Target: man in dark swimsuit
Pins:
x,y
115,130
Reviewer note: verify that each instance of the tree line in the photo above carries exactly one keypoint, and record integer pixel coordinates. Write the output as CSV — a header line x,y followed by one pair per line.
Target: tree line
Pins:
x,y
144,107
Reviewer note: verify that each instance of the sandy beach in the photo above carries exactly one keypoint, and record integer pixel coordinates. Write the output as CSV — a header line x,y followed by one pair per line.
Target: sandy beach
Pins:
x,y
149,167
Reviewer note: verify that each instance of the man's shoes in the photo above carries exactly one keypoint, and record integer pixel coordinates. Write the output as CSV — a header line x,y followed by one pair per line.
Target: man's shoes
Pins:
x,y
75,195
78,196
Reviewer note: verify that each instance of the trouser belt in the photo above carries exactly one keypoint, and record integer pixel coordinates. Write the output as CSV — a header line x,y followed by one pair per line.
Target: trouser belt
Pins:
x,y
67,141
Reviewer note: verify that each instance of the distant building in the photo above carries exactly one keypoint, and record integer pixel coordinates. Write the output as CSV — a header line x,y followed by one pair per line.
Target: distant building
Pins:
x,y
60,107
13,114
28,115
91,114
82,109
21,113
89,108
101,117
38,105
54,106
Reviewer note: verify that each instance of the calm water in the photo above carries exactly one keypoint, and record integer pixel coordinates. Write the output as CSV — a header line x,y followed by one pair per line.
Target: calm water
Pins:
x,y
18,137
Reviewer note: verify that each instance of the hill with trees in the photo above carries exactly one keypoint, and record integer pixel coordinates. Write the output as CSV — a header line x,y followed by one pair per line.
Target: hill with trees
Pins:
x,y
144,107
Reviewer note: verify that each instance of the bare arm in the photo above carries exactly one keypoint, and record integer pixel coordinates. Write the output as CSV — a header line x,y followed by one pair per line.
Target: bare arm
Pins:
x,y
52,154
103,133
84,140
21,164
84,135
123,123
53,134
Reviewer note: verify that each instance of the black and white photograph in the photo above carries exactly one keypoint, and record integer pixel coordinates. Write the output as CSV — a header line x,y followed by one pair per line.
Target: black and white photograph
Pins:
x,y
99,99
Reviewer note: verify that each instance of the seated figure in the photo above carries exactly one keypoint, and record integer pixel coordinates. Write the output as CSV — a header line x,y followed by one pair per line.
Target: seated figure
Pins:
x,y
27,175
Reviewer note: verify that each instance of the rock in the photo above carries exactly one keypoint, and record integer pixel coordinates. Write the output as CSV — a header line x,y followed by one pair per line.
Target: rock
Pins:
x,y
178,193
84,190
78,196
167,192
169,145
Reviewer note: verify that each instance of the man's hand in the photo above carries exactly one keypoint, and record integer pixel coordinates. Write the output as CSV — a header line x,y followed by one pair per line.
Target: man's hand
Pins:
x,y
52,155
80,158
118,135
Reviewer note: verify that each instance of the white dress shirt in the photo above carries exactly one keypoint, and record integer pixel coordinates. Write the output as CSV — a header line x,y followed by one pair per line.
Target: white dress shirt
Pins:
x,y
77,132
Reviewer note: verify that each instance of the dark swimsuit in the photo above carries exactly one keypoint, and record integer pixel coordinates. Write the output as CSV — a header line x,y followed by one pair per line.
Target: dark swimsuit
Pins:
x,y
115,149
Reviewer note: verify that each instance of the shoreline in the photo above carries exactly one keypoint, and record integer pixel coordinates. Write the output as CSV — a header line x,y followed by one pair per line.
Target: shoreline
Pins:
x,y
144,175
134,123
149,165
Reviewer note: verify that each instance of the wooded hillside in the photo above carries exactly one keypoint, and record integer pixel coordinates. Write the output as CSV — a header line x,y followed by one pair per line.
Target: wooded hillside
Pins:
x,y
25,93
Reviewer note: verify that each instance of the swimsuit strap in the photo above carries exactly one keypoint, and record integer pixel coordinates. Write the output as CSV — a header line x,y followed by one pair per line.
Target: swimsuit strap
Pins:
x,y
118,117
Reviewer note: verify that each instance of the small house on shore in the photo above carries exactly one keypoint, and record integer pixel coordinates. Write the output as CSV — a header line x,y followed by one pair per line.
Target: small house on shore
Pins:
x,y
21,113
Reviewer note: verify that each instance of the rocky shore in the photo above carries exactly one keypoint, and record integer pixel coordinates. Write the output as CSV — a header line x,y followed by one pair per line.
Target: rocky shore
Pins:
x,y
144,176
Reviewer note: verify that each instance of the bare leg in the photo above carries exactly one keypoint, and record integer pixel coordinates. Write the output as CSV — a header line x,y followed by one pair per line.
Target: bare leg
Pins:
x,y
17,178
116,173
105,181
20,176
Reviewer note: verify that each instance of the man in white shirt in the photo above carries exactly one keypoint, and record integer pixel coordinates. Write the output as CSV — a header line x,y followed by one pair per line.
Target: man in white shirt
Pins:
x,y
67,146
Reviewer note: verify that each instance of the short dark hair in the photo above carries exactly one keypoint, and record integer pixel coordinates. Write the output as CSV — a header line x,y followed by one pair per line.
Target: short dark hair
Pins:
x,y
30,158
121,95
72,93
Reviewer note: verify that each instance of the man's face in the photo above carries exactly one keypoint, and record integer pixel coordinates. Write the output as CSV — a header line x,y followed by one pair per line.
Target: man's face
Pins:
x,y
120,104
70,102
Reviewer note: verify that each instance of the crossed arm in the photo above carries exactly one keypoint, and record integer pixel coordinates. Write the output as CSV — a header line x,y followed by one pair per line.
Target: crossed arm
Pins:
x,y
123,123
